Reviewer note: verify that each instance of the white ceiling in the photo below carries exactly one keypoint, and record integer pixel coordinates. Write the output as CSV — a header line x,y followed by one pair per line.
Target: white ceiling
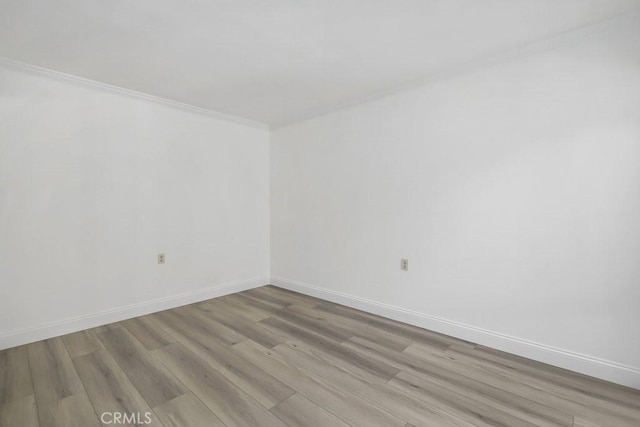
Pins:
x,y
274,61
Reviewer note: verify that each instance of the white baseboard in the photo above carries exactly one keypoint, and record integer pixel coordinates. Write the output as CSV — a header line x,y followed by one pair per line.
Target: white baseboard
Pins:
x,y
75,324
603,369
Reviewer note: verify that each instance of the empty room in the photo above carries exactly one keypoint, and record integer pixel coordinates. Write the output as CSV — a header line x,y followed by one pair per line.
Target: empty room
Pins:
x,y
393,213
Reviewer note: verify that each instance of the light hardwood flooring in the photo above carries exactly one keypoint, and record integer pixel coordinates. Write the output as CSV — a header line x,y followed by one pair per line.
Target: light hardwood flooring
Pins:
x,y
271,357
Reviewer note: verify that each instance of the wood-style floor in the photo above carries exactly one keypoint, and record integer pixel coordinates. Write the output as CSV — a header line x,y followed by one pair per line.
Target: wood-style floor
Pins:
x,y
271,357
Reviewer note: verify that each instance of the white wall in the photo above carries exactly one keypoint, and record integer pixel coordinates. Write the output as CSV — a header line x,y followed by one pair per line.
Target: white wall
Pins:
x,y
94,184
513,190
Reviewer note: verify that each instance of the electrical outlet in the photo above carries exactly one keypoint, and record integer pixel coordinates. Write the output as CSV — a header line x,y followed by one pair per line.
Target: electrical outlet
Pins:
x,y
160,258
404,264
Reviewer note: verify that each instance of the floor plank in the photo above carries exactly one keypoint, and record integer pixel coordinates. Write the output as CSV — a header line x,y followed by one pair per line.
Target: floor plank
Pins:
x,y
249,329
568,398
260,385
578,422
410,332
234,303
108,388
594,390
147,332
20,412
186,411
376,369
103,328
81,343
15,376
401,405
433,366
293,297
389,340
154,382
232,405
345,406
222,333
54,376
72,411
318,326
273,357
256,303
268,296
299,411
472,410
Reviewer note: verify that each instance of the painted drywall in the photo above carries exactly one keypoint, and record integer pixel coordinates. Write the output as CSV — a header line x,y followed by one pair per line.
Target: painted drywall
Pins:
x,y
513,190
94,184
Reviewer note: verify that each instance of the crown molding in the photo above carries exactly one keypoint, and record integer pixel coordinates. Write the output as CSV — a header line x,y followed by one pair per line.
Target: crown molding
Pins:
x,y
520,51
22,66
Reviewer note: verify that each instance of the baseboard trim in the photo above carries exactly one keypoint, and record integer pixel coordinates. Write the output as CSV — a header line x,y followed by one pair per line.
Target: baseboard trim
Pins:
x,y
598,368
75,324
